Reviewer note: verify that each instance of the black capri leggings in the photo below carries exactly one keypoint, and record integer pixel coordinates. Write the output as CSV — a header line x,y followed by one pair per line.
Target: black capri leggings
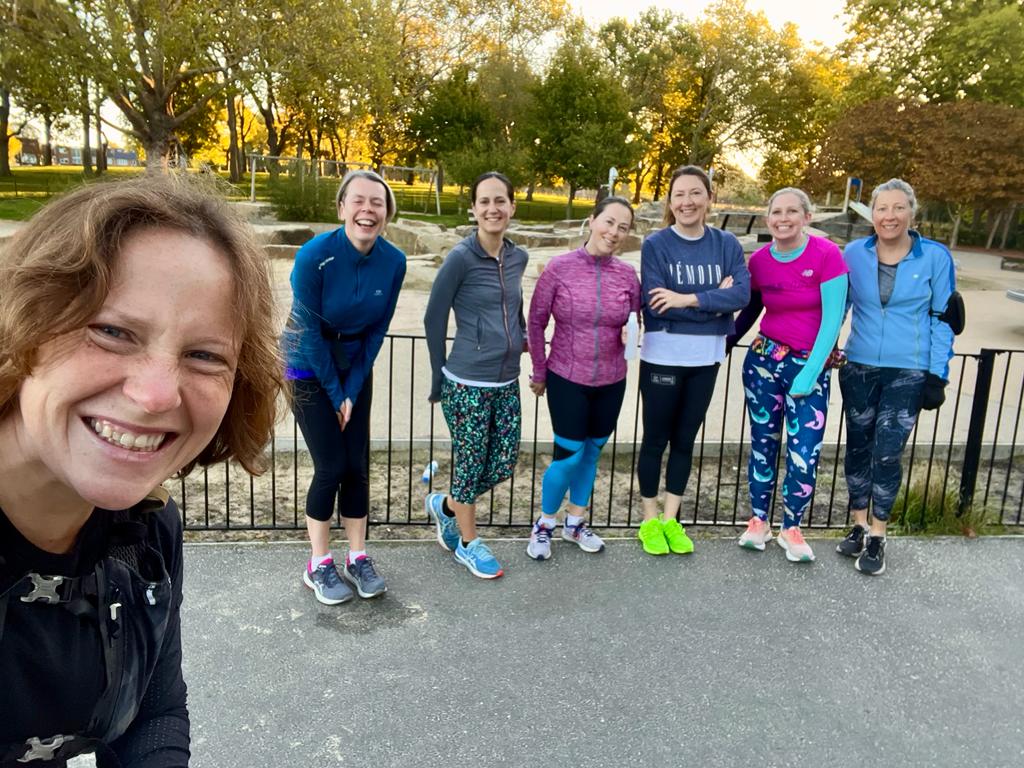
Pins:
x,y
675,398
579,411
340,459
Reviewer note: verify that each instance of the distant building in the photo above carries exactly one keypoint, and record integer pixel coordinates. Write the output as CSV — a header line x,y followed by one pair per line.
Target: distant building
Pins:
x,y
63,155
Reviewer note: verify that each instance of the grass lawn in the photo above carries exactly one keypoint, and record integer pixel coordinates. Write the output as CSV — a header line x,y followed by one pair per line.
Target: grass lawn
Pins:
x,y
22,193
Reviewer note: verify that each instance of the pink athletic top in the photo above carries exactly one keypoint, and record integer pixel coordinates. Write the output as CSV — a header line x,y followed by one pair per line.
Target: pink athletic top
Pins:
x,y
590,299
791,291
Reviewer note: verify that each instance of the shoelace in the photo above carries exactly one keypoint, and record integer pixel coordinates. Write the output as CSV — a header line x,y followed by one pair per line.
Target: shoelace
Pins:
x,y
542,534
874,546
365,569
581,531
795,536
329,574
480,551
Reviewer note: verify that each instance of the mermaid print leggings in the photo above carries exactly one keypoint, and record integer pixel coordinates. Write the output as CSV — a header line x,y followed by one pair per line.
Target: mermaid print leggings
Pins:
x,y
766,384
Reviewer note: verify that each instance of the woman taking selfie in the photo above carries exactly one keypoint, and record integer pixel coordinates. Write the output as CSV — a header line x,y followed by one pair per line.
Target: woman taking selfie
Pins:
x,y
135,343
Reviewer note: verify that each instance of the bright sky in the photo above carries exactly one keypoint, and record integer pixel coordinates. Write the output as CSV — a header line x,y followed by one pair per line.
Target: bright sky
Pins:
x,y
817,20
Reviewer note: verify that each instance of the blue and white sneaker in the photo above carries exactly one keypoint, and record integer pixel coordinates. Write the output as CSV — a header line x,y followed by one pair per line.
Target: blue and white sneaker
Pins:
x,y
539,547
326,584
477,557
447,527
364,577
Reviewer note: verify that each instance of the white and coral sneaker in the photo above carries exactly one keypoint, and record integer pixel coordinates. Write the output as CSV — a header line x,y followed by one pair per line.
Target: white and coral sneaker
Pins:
x,y
797,550
758,534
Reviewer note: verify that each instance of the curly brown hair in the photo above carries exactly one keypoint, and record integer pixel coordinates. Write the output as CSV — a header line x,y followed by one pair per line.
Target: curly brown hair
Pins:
x,y
56,272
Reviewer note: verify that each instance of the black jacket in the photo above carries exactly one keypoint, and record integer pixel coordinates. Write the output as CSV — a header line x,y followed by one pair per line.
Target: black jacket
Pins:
x,y
90,643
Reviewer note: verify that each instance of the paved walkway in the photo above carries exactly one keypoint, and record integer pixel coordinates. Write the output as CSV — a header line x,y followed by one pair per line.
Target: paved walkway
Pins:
x,y
725,658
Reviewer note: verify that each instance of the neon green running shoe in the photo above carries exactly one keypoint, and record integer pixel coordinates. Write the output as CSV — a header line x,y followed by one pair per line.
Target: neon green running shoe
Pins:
x,y
675,535
652,537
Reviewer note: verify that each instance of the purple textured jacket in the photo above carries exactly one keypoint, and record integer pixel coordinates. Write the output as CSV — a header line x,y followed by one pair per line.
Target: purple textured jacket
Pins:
x,y
591,299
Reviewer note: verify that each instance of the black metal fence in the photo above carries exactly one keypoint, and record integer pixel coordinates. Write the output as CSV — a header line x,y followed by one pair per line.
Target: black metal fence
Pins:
x,y
969,448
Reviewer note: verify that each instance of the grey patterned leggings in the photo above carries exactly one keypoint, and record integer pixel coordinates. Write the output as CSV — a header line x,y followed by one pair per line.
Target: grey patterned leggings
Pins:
x,y
881,406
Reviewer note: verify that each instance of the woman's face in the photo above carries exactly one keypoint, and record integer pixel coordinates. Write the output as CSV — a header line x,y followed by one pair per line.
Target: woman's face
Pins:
x,y
493,208
892,215
364,210
787,219
689,201
608,229
112,410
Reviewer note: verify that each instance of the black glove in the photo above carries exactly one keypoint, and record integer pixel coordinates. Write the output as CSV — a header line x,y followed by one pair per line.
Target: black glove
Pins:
x,y
934,393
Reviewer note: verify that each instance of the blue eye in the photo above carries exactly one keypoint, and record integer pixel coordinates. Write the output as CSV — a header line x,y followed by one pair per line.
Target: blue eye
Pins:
x,y
112,331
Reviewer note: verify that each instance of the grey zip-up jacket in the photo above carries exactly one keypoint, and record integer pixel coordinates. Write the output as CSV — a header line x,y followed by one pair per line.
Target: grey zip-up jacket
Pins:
x,y
487,296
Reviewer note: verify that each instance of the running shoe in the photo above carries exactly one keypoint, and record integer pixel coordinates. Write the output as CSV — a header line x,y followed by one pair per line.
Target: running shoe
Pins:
x,y
872,559
797,550
364,577
327,586
539,547
758,534
853,543
583,537
477,557
678,542
652,536
447,527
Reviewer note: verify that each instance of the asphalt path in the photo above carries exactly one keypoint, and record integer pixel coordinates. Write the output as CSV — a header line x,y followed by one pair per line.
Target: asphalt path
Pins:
x,y
722,658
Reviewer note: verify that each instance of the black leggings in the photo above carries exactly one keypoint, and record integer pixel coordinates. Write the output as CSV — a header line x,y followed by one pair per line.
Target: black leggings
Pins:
x,y
675,398
340,459
579,411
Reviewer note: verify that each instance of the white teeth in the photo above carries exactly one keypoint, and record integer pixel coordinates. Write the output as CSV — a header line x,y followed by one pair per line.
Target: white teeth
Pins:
x,y
133,442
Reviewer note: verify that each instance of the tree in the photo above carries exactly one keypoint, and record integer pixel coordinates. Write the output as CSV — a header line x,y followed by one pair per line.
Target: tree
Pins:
x,y
964,154
144,54
942,50
579,120
643,53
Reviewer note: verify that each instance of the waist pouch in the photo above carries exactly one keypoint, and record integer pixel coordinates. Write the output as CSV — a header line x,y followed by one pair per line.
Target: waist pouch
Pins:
x,y
336,341
778,351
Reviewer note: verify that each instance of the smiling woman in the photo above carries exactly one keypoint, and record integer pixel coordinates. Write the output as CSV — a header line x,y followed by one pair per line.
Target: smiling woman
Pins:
x,y
135,342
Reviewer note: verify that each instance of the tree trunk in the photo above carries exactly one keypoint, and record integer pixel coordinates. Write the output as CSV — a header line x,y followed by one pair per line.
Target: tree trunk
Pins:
x,y
568,205
529,191
48,133
440,177
86,141
993,229
1011,220
5,134
158,150
234,159
101,145
956,229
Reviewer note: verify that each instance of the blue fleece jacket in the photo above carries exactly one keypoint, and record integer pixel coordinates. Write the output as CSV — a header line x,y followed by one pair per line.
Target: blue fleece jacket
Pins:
x,y
698,267
338,289
905,333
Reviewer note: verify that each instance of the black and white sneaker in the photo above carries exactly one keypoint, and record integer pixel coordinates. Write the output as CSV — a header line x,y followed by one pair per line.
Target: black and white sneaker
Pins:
x,y
872,559
853,543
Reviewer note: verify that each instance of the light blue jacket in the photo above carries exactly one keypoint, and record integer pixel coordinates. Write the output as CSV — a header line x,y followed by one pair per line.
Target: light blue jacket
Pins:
x,y
906,332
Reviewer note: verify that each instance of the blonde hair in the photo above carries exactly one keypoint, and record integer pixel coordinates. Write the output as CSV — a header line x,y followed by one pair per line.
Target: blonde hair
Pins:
x,y
56,272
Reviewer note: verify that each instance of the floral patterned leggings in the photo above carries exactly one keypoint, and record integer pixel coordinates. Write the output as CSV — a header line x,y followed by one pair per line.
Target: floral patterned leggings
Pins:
x,y
485,425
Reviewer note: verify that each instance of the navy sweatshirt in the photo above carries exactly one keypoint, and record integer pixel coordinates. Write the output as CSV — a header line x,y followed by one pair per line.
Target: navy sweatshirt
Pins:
x,y
338,289
698,267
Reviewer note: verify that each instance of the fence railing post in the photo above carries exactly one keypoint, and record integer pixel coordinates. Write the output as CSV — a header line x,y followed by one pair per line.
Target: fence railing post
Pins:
x,y
976,430
252,178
